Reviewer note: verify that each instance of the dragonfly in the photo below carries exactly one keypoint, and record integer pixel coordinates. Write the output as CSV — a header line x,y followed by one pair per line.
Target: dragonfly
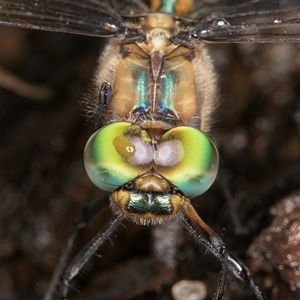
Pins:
x,y
152,128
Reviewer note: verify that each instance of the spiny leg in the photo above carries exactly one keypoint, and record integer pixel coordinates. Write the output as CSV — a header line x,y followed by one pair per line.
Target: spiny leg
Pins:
x,y
88,211
200,231
105,96
206,236
87,252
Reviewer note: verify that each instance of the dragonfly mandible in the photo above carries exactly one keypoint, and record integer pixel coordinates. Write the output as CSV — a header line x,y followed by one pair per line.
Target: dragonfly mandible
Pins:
x,y
152,55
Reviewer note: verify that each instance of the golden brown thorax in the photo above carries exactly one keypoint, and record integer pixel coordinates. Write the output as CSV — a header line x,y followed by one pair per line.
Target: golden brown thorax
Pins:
x,y
156,79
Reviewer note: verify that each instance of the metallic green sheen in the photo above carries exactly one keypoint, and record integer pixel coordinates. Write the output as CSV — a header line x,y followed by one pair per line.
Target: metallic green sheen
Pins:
x,y
106,168
198,168
167,92
142,100
167,6
156,204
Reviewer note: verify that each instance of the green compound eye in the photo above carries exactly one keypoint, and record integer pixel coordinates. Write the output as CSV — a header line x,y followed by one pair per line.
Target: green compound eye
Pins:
x,y
116,154
188,159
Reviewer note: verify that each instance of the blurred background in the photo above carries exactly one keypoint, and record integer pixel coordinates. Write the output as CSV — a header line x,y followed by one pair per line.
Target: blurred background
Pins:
x,y
44,185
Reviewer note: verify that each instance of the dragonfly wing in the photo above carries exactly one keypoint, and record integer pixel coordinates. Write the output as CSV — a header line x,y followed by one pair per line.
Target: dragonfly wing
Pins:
x,y
89,17
256,22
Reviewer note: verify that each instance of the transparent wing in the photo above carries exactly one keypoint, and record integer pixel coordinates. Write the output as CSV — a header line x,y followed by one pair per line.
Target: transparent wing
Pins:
x,y
89,17
258,22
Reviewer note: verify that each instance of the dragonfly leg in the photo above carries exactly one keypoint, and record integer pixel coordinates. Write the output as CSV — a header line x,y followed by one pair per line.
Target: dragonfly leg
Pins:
x,y
105,96
87,213
87,252
203,234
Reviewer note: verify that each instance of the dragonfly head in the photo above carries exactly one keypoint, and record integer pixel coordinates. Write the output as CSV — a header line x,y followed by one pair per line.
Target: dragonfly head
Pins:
x,y
150,172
